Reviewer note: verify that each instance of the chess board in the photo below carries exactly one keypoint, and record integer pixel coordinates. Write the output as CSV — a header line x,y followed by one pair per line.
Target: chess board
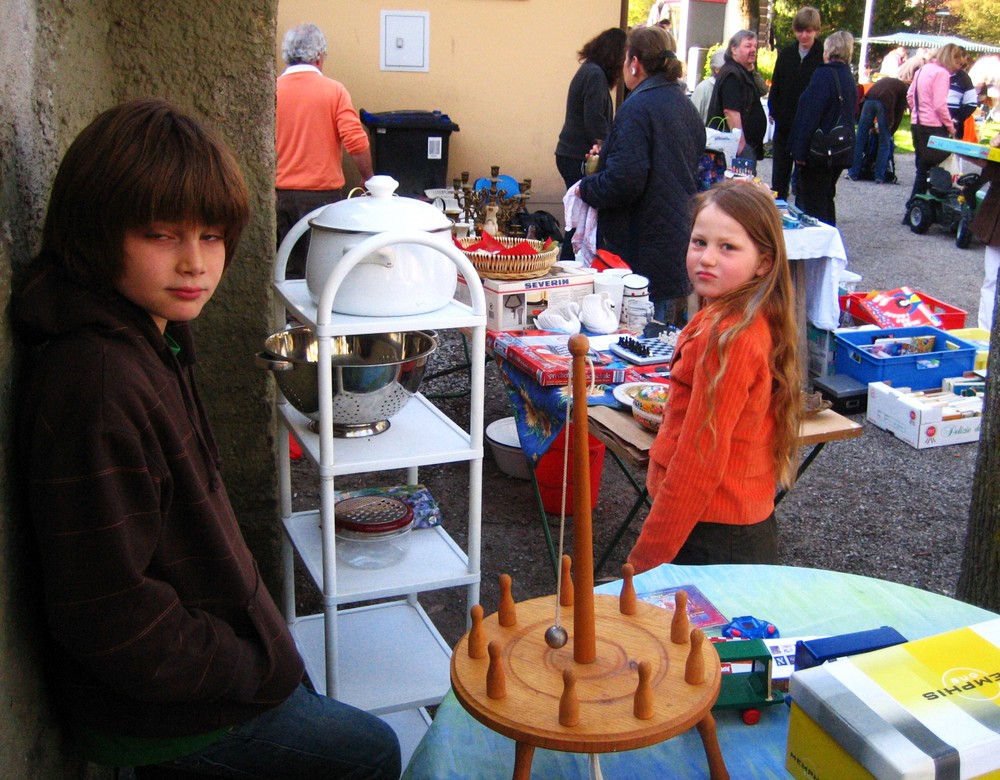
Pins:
x,y
643,351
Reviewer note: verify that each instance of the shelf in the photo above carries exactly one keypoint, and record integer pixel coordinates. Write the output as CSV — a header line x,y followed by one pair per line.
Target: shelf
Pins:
x,y
295,294
433,561
410,727
391,656
441,440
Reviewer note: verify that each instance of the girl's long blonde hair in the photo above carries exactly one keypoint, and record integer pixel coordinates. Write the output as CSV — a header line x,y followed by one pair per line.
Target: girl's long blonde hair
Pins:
x,y
771,295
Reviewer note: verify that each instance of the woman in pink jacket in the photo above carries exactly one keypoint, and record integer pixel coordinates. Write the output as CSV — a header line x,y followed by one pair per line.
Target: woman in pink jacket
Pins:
x,y
929,115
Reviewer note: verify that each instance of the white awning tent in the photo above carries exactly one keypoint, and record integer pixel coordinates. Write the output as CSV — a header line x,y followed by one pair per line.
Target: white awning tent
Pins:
x,y
920,40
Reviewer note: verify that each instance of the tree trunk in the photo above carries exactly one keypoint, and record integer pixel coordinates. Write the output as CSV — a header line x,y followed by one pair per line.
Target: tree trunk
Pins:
x,y
979,580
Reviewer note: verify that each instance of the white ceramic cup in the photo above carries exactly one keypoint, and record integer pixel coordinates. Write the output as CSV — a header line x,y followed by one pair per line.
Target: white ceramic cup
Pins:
x,y
614,286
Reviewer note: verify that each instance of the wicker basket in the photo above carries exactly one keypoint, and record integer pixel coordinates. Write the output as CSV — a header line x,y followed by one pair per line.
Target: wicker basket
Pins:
x,y
507,267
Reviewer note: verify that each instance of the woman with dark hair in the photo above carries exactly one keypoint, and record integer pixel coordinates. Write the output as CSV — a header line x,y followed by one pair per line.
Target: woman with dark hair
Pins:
x,y
589,109
648,172
831,99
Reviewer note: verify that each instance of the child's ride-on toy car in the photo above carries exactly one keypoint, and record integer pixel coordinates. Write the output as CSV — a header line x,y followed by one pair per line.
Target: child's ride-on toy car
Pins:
x,y
950,205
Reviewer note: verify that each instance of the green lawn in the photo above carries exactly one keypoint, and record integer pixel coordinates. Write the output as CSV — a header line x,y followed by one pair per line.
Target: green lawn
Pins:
x,y
904,143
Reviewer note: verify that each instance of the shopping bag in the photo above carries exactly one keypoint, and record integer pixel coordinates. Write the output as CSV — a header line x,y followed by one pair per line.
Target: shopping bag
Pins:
x,y
718,139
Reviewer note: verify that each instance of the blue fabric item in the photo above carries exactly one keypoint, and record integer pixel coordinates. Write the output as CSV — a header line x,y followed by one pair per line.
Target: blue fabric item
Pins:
x,y
647,175
820,106
308,737
540,412
872,110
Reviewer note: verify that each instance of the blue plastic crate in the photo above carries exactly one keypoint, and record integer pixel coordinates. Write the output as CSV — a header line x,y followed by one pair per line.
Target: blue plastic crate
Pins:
x,y
951,356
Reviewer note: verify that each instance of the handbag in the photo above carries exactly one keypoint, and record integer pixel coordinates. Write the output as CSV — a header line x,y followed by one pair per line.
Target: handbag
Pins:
x,y
835,148
719,138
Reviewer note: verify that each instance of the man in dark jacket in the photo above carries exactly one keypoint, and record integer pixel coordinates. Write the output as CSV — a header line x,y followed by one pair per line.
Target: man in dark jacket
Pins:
x,y
792,70
884,105
737,97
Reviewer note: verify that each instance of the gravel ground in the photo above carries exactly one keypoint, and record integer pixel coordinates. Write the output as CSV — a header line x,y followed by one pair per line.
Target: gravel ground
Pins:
x,y
872,506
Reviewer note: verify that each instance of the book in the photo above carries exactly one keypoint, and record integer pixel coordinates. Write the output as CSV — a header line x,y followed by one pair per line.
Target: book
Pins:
x,y
702,612
899,308
545,356
964,148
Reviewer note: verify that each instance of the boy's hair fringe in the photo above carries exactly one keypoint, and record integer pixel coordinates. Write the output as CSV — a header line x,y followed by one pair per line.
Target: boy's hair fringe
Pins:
x,y
137,163
772,295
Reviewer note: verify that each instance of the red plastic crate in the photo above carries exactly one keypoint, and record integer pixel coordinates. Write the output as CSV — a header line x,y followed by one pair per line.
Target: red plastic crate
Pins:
x,y
952,317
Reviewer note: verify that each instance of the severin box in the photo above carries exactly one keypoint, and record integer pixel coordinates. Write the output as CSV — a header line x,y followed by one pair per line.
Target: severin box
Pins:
x,y
920,421
921,710
512,305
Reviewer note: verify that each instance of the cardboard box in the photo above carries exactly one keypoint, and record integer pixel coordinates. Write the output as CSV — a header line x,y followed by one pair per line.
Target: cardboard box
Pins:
x,y
923,709
822,351
965,148
917,422
512,305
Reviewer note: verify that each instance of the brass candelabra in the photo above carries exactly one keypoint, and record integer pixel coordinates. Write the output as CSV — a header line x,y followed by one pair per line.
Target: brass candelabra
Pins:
x,y
473,202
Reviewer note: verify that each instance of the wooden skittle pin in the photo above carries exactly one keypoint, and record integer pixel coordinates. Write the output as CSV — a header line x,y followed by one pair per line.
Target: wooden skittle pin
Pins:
x,y
477,636
642,706
496,677
566,583
694,669
627,599
569,704
680,625
506,612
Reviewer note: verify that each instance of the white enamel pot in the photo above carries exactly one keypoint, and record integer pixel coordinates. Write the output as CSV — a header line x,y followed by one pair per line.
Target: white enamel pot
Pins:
x,y
399,279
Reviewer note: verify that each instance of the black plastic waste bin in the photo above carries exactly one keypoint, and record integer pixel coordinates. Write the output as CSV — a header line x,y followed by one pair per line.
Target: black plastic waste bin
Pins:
x,y
412,147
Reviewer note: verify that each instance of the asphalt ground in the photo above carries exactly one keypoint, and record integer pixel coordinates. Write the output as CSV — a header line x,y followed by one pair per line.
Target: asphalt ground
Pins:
x,y
872,506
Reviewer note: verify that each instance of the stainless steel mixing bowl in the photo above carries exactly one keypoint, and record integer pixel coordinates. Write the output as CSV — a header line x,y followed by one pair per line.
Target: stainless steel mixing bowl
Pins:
x,y
374,374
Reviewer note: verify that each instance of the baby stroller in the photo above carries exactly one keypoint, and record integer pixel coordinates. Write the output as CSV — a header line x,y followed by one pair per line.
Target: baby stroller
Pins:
x,y
950,204
867,172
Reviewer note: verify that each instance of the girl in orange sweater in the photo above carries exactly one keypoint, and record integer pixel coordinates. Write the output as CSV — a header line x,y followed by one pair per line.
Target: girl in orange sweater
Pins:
x,y
728,435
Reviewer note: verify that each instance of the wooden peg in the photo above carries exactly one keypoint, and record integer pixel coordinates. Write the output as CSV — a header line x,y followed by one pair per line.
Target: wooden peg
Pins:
x,y
680,625
569,704
642,706
477,636
566,582
627,599
496,678
694,669
507,612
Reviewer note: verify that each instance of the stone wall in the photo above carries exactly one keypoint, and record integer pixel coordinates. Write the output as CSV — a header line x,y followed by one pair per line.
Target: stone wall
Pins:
x,y
63,62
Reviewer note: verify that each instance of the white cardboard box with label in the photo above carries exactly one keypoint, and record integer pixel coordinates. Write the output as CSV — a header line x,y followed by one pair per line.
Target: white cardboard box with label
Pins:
x,y
917,419
512,305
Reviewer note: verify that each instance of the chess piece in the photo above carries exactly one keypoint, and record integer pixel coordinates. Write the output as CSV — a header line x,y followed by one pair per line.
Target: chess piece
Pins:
x,y
569,704
496,677
477,637
694,669
566,583
642,705
507,612
680,625
627,598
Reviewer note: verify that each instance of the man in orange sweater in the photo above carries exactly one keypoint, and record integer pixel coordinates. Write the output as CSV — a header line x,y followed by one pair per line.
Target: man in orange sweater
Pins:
x,y
316,122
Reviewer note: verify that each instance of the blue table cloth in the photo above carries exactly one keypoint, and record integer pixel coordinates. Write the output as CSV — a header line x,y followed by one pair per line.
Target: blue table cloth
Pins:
x,y
801,602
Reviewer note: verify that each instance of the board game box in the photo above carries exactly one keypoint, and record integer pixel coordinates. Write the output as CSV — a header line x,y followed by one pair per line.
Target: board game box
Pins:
x,y
965,148
922,709
702,612
545,356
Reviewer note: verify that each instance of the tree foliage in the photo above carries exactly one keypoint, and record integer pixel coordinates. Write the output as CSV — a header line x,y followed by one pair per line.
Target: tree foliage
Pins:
x,y
977,20
888,16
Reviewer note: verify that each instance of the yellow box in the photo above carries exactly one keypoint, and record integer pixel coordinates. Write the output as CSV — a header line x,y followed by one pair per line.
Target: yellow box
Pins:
x,y
978,336
921,710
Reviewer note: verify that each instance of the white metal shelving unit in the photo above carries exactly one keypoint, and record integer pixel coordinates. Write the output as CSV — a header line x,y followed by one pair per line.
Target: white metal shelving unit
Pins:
x,y
386,658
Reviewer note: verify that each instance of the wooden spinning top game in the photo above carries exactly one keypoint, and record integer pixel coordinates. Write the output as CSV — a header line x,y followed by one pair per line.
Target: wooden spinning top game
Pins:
x,y
618,674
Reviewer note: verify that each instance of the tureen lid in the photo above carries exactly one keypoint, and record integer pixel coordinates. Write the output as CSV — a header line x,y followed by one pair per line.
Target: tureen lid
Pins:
x,y
380,210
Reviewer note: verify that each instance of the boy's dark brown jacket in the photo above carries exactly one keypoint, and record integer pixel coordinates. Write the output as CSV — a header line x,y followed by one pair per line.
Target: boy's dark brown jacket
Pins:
x,y
162,624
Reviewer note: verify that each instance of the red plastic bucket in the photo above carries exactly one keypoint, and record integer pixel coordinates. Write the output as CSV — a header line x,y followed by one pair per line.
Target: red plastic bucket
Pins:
x,y
549,474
